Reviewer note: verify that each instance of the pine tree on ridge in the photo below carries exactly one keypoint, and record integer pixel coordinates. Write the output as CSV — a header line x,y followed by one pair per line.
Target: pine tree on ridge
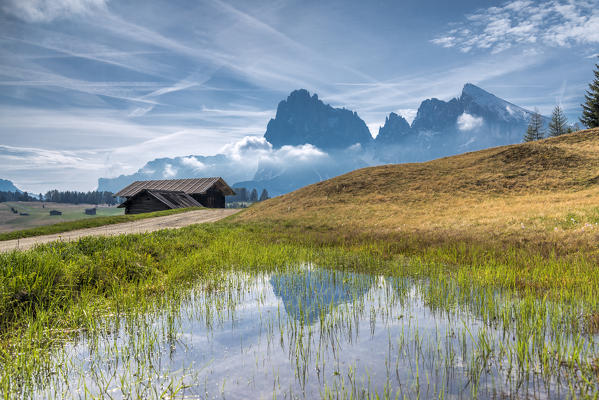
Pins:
x,y
559,123
590,108
535,128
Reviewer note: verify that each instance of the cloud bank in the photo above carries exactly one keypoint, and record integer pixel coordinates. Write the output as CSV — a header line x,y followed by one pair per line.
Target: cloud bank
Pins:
x,y
524,22
239,161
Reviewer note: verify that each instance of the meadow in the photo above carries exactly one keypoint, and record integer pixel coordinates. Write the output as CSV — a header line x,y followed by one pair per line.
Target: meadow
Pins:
x,y
418,281
39,214
43,224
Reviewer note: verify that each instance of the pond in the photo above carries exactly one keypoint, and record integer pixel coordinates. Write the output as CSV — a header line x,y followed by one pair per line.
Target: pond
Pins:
x,y
310,332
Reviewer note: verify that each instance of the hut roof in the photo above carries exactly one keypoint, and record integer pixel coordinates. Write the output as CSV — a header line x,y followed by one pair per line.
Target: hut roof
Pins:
x,y
189,186
172,199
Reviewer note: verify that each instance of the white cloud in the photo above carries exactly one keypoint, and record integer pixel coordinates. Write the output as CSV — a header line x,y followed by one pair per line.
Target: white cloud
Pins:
x,y
550,23
48,10
193,163
249,146
467,122
445,41
305,152
251,151
169,171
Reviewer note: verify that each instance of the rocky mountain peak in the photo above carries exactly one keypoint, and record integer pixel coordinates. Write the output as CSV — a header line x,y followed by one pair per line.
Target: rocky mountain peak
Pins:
x,y
303,118
474,91
300,95
394,129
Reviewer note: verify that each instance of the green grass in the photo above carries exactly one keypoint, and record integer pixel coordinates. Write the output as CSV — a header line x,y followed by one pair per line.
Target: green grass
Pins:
x,y
65,288
59,278
86,223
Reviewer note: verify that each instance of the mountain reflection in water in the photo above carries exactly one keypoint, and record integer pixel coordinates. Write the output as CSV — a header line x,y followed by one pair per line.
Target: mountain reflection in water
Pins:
x,y
313,293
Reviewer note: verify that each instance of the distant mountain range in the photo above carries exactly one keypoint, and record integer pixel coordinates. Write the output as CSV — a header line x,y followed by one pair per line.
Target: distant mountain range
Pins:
x,y
309,141
8,186
475,120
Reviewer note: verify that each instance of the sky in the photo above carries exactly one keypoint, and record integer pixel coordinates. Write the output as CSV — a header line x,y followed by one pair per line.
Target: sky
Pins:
x,y
96,88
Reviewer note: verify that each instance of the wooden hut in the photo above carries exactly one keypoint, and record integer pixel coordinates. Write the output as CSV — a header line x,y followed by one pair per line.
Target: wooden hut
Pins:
x,y
148,196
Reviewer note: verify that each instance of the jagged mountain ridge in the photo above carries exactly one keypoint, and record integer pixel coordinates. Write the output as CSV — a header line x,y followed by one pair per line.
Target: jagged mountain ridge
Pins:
x,y
395,130
303,119
475,120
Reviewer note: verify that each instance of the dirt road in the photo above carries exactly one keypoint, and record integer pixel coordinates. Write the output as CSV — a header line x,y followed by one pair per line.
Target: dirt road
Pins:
x,y
143,225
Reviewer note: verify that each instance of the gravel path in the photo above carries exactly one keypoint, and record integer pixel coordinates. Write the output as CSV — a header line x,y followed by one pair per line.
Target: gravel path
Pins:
x,y
142,225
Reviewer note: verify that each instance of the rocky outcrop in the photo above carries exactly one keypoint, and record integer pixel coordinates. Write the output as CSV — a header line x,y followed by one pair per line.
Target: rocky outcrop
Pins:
x,y
303,119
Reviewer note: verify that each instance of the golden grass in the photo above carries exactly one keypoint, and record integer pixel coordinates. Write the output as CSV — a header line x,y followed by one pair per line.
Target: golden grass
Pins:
x,y
543,195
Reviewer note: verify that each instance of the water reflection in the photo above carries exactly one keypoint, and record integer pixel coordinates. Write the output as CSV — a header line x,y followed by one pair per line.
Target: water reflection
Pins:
x,y
310,333
311,294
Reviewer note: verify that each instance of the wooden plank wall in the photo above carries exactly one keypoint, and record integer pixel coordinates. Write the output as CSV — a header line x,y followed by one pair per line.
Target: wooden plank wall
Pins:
x,y
144,204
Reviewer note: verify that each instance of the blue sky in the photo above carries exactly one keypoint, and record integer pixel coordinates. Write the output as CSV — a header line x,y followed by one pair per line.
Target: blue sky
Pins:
x,y
96,88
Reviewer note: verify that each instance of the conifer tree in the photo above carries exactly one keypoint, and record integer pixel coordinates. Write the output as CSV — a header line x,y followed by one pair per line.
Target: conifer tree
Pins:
x,y
590,108
535,128
559,123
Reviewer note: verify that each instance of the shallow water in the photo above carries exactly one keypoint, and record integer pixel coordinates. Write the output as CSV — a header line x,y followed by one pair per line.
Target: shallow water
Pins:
x,y
304,333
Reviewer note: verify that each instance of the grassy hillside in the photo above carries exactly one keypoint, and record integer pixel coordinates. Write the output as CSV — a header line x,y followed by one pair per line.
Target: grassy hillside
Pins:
x,y
543,194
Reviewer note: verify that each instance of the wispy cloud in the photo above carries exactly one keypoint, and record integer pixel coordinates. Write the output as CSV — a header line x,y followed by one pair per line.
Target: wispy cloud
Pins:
x,y
122,83
30,157
37,77
59,44
404,93
525,23
48,10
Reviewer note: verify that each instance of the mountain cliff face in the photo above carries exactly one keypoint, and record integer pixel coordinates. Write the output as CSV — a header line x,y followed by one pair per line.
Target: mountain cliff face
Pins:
x,y
395,130
305,119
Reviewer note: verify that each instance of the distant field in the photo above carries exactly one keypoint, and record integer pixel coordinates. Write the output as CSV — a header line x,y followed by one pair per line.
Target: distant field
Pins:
x,y
39,214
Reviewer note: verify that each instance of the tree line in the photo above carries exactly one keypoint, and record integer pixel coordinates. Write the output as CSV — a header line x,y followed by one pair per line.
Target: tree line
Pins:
x,y
72,197
559,123
16,196
75,197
